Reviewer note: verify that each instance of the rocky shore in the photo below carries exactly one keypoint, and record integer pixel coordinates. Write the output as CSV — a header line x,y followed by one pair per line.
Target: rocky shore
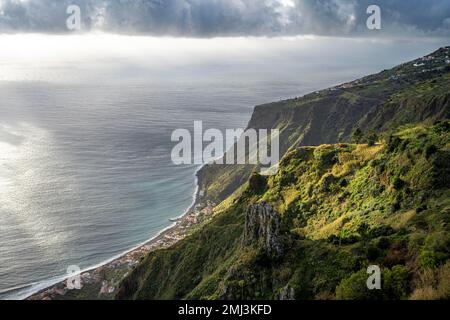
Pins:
x,y
102,282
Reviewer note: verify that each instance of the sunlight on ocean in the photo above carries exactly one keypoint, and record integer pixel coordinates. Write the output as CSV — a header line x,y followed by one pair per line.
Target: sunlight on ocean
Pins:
x,y
85,126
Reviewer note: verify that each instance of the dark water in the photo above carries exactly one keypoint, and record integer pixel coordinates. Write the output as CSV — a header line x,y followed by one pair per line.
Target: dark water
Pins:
x,y
85,169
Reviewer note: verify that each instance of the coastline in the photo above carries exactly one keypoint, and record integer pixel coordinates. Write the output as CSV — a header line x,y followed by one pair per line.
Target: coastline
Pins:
x,y
101,281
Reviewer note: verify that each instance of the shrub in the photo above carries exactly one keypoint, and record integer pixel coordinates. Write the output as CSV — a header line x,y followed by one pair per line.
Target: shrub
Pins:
x,y
421,208
441,172
355,288
394,286
395,206
326,156
395,283
372,138
383,243
373,253
380,231
442,127
398,183
432,259
257,182
287,178
393,143
327,182
430,150
357,135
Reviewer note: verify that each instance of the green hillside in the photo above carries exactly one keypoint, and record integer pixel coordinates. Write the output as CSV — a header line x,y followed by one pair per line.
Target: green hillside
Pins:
x,y
331,211
410,93
364,180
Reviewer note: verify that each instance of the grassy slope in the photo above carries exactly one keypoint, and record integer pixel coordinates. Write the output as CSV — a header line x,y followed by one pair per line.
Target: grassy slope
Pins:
x,y
343,208
404,94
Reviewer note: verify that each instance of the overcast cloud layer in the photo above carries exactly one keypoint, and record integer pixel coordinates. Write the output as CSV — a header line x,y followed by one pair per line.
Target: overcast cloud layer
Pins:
x,y
207,18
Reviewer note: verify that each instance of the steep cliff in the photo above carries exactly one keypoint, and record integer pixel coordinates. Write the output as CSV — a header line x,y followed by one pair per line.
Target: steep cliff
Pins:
x,y
333,209
262,229
413,92
311,231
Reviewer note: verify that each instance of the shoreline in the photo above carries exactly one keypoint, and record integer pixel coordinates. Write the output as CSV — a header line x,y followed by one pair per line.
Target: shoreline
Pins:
x,y
100,281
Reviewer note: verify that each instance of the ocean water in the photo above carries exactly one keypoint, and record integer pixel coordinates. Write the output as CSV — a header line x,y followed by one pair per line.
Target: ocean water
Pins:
x,y
85,169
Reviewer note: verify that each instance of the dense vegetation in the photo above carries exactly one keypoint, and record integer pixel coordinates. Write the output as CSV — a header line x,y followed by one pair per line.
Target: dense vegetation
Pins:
x,y
343,207
376,194
410,93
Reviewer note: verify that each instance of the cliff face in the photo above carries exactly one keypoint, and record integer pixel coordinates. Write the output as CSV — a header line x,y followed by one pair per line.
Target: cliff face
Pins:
x,y
262,229
310,231
380,102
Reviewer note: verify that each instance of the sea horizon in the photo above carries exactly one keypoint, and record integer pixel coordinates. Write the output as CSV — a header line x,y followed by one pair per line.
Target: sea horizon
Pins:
x,y
126,198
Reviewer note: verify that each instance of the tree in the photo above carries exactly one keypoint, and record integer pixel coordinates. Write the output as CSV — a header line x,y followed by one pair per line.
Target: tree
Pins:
x,y
372,138
357,135
355,288
257,182
394,285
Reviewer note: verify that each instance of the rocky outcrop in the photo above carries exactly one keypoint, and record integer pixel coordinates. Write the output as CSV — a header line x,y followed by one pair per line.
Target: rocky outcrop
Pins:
x,y
232,260
287,293
262,229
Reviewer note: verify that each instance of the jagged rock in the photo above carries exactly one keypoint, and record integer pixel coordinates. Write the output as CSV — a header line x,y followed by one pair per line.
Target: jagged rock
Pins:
x,y
262,228
287,293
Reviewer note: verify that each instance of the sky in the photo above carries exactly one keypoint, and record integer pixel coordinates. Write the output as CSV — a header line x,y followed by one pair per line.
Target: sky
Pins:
x,y
218,18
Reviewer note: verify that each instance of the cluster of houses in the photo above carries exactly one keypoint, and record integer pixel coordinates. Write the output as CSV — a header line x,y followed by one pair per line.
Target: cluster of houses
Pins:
x,y
431,58
443,55
48,294
430,62
120,267
106,288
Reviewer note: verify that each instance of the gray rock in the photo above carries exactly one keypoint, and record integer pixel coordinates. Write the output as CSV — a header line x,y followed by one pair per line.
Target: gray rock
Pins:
x,y
262,229
287,293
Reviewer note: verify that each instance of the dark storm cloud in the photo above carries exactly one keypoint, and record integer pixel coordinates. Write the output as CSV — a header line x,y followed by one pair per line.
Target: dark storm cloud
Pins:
x,y
205,18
